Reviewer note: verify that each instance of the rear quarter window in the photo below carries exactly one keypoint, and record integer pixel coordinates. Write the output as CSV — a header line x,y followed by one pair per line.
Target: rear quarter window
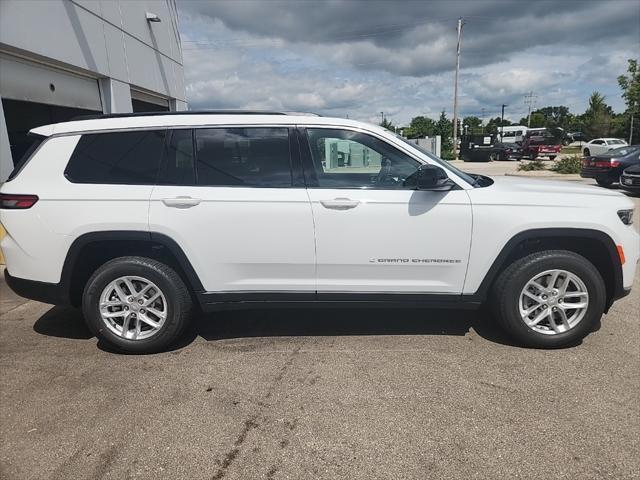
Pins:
x,y
122,158
20,164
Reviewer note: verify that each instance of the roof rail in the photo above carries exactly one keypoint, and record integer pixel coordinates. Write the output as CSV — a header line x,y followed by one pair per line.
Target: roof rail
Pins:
x,y
188,112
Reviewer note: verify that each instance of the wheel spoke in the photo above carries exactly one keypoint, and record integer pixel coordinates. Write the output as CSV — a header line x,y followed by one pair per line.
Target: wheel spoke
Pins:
x,y
573,306
113,314
554,279
125,325
563,286
119,292
532,296
148,321
157,313
575,294
541,316
564,319
130,286
111,303
152,299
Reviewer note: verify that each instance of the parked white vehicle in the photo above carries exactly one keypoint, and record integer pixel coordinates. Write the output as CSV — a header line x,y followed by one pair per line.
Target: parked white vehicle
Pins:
x,y
598,146
135,218
512,134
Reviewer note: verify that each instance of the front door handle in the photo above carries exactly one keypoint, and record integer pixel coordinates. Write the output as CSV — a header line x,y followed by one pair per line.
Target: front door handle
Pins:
x,y
181,202
340,203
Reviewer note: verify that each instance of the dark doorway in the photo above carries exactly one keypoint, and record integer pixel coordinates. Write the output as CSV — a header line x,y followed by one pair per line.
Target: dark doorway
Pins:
x,y
21,116
142,106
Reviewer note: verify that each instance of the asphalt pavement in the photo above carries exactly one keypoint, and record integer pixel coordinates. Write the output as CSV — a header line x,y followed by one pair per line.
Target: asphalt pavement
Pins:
x,y
318,394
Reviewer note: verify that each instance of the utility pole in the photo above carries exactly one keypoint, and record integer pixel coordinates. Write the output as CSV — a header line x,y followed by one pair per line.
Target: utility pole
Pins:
x,y
529,99
455,91
633,106
381,118
502,122
482,118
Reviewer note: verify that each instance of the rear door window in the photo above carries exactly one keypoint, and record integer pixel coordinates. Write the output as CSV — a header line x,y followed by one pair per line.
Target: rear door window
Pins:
x,y
121,158
243,157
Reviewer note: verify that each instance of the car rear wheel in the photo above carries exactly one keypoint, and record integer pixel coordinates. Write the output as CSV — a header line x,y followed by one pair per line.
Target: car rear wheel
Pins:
x,y
493,157
136,304
549,299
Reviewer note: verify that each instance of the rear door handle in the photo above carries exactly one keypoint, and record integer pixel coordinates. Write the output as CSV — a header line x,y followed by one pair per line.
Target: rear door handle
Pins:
x,y
340,203
181,202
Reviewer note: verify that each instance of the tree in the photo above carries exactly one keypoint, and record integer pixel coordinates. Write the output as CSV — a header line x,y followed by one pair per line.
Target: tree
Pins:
x,y
474,124
385,123
630,85
597,118
494,124
444,128
420,127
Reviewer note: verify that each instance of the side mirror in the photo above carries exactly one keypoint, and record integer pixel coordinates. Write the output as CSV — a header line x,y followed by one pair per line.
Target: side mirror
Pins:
x,y
429,177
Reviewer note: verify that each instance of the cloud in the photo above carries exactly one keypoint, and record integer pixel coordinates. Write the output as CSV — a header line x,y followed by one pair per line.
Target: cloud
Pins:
x,y
360,58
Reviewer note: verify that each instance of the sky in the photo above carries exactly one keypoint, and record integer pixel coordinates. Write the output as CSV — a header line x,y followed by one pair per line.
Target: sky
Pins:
x,y
357,59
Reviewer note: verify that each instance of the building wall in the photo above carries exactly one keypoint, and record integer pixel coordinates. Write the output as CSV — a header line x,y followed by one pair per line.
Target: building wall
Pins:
x,y
88,54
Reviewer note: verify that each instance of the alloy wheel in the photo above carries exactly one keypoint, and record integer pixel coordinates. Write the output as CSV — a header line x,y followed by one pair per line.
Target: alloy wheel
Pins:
x,y
133,307
553,302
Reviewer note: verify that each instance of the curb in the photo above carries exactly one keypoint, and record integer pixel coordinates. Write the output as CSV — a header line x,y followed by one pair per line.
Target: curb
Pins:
x,y
567,177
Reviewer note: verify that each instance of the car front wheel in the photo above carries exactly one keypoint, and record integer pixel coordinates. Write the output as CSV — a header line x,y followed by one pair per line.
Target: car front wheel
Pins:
x,y
586,152
549,299
136,304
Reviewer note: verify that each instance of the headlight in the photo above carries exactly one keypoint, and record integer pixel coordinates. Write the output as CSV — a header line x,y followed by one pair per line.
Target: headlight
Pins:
x,y
626,216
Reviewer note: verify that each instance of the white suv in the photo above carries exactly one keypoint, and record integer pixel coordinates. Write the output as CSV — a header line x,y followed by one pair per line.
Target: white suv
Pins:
x,y
138,218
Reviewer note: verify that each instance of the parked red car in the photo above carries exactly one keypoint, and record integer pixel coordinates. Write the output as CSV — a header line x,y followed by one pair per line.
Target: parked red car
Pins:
x,y
541,144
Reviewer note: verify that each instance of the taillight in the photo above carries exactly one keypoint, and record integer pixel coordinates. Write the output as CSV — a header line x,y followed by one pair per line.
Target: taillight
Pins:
x,y
10,201
605,164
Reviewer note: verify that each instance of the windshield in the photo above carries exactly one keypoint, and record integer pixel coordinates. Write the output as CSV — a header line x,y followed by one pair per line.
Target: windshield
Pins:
x,y
443,163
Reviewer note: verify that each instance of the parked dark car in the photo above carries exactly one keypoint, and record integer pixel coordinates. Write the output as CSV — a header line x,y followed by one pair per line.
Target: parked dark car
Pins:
x,y
630,179
505,151
574,137
607,167
476,147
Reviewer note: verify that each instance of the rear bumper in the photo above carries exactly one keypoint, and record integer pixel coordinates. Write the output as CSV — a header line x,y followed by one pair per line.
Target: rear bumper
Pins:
x,y
600,173
52,293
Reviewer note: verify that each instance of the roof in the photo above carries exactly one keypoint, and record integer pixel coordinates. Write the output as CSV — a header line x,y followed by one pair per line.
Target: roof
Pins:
x,y
191,119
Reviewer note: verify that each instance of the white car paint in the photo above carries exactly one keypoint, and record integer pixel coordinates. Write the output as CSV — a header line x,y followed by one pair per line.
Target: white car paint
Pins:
x,y
268,239
598,146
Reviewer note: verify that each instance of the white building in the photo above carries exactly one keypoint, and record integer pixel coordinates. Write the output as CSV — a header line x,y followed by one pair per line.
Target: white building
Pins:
x,y
64,58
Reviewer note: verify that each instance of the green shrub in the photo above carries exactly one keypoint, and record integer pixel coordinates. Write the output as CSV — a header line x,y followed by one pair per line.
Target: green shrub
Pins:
x,y
448,155
571,164
532,165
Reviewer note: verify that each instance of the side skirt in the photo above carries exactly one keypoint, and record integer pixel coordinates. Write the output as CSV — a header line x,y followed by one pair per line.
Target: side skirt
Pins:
x,y
210,301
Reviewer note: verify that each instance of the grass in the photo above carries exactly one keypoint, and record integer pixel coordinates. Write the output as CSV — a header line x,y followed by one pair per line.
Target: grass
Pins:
x,y
571,150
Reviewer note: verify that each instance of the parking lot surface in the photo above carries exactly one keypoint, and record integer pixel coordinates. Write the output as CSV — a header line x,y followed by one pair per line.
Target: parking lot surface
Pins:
x,y
303,394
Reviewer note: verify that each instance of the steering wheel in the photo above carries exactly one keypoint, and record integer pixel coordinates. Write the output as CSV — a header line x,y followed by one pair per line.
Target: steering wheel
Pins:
x,y
385,175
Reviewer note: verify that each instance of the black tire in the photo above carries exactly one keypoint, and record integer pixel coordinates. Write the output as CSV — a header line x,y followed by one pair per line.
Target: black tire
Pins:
x,y
178,303
552,157
493,157
510,283
586,152
604,182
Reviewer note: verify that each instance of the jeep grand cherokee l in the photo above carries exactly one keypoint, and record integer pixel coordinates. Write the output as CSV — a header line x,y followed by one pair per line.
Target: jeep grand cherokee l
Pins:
x,y
136,219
